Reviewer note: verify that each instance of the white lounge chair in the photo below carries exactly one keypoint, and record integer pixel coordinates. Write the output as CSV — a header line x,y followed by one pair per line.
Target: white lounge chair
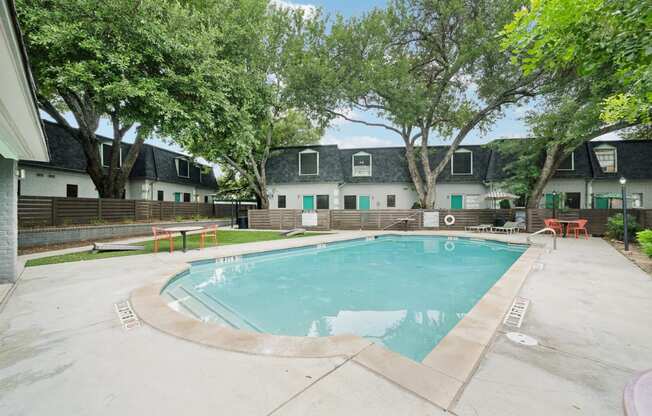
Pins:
x,y
508,228
478,228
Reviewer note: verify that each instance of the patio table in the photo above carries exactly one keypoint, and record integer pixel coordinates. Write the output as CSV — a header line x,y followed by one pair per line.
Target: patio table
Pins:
x,y
564,227
183,231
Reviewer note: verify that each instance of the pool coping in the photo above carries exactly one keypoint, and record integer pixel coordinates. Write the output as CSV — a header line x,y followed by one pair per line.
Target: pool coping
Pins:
x,y
439,378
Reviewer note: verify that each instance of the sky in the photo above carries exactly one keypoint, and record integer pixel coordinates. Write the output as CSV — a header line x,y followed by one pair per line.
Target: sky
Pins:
x,y
351,135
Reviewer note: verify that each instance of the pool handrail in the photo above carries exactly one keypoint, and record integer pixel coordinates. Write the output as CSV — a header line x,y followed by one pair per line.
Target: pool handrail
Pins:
x,y
541,231
403,219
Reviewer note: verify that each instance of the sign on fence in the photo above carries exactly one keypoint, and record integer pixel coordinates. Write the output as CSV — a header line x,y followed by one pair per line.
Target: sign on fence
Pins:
x,y
431,219
309,219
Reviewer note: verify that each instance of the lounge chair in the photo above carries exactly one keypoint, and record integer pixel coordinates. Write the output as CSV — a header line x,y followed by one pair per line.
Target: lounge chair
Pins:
x,y
508,228
478,228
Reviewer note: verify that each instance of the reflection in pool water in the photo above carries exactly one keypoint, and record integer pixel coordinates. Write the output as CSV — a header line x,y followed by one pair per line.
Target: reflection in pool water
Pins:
x,y
405,292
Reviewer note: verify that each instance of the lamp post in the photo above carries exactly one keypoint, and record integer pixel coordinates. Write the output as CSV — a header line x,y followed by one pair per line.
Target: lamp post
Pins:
x,y
623,182
554,204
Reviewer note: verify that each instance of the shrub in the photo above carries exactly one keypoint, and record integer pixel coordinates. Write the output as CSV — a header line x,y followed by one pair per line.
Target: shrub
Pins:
x,y
615,227
645,240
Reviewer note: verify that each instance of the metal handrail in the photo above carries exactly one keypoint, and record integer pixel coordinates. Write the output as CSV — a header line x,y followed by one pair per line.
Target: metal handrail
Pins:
x,y
541,231
401,220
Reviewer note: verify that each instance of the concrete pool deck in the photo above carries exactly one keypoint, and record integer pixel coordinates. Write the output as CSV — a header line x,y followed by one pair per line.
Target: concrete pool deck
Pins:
x,y
62,347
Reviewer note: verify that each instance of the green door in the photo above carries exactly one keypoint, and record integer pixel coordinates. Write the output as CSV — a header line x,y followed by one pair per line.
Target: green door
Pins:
x,y
550,201
601,203
457,202
308,202
363,203
177,197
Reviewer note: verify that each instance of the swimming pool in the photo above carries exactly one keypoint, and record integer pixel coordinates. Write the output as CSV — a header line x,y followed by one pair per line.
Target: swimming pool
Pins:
x,y
403,292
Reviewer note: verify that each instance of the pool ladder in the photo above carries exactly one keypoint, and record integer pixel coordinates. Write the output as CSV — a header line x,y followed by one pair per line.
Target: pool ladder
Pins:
x,y
542,231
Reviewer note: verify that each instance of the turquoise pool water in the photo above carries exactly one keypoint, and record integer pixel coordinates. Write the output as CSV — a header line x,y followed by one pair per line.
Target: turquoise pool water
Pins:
x,y
404,292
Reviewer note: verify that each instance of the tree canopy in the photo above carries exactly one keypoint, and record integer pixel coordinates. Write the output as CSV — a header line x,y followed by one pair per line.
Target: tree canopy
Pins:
x,y
141,64
603,39
424,68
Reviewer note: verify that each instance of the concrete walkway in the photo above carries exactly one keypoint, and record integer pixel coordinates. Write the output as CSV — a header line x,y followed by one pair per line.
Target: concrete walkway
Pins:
x,y
63,351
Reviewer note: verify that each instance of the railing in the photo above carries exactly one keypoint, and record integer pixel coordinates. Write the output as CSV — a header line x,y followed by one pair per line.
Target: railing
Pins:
x,y
544,230
400,220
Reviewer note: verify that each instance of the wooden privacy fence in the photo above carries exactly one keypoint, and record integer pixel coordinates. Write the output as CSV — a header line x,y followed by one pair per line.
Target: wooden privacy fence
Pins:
x,y
277,219
283,219
35,211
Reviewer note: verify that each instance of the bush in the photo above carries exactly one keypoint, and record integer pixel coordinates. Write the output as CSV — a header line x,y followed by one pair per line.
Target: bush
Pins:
x,y
615,227
645,240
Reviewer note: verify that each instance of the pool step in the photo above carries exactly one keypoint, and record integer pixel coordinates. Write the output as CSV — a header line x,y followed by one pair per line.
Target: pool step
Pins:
x,y
206,308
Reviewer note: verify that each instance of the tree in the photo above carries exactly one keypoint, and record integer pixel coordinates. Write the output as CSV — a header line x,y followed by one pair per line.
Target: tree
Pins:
x,y
424,68
608,39
141,64
566,117
266,116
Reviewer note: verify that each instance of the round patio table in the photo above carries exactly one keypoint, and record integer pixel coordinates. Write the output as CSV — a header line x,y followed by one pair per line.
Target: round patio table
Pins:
x,y
183,231
564,230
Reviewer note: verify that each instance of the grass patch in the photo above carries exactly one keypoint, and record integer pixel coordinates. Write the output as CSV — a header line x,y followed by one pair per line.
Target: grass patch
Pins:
x,y
226,237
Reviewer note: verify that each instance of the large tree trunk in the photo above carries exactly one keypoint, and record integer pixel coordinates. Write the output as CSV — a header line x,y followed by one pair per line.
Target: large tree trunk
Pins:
x,y
554,156
417,181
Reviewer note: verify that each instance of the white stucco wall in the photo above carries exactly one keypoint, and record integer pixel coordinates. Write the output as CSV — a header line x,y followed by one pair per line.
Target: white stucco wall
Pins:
x,y
294,194
405,196
644,187
567,185
8,220
473,195
51,182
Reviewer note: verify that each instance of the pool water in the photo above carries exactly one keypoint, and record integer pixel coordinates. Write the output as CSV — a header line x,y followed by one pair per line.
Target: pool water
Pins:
x,y
403,292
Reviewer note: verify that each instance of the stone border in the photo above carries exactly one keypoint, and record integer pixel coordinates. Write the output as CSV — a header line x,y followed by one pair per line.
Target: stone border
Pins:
x,y
439,378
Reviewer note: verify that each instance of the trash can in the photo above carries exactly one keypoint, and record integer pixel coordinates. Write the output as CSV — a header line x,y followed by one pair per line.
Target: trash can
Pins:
x,y
243,223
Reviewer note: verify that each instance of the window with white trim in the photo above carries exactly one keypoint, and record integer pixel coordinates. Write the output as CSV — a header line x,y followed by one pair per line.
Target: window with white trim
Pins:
x,y
361,164
462,162
308,162
607,158
106,152
568,163
183,168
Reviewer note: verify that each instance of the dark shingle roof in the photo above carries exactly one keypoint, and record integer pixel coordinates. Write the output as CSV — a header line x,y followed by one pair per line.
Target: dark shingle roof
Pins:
x,y
152,162
390,166
283,165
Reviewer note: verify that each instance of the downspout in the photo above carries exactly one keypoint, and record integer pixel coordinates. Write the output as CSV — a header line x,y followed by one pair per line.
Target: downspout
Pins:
x,y
155,171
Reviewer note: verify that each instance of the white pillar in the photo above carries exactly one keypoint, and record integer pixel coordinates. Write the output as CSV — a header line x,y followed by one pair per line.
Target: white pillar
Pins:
x,y
8,220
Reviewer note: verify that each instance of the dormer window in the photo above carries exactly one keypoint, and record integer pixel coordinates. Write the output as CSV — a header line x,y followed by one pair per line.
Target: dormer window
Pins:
x,y
308,162
106,151
361,164
462,162
607,158
183,168
568,163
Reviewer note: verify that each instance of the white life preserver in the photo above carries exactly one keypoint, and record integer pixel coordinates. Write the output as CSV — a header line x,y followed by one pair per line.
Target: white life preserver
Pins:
x,y
449,220
449,246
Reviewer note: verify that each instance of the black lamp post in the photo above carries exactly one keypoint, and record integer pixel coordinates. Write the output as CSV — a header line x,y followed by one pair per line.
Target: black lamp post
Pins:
x,y
623,182
554,204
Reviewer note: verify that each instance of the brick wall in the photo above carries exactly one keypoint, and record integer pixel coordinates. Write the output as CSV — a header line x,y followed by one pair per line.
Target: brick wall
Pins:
x,y
8,220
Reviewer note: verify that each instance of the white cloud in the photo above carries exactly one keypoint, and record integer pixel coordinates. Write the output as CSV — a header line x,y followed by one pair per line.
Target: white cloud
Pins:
x,y
358,141
309,10
348,112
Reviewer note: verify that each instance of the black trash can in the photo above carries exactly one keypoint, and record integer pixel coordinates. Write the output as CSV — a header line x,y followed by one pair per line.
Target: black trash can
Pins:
x,y
243,223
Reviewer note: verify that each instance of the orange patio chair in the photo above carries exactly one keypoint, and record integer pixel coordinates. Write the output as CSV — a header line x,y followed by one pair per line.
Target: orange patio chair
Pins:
x,y
211,230
161,234
555,225
578,228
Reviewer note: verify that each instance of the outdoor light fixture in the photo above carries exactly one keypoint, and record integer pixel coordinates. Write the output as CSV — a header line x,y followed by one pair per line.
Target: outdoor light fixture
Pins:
x,y
623,182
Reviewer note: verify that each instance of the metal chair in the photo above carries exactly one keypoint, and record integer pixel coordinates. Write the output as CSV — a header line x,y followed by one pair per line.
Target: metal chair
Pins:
x,y
211,230
161,234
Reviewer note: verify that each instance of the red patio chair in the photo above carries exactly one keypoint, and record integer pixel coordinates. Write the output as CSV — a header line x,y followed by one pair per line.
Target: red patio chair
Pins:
x,y
555,225
211,230
577,228
161,234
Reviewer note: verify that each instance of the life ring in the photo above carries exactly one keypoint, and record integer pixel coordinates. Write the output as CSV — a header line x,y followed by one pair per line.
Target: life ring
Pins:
x,y
449,220
449,246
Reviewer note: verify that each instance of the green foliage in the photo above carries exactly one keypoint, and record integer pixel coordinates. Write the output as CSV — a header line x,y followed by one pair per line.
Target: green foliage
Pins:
x,y
616,227
645,240
605,39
